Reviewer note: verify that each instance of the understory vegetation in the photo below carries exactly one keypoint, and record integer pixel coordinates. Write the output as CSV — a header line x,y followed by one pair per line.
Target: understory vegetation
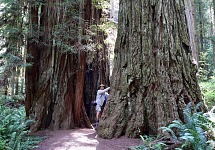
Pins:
x,y
196,133
208,91
14,127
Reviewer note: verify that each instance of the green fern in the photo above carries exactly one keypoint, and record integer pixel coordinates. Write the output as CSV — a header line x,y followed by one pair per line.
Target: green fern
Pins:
x,y
2,143
13,129
193,131
167,129
150,143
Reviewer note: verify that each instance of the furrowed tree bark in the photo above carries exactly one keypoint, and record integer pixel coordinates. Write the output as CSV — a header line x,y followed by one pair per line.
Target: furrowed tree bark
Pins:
x,y
79,103
58,100
153,77
32,73
191,20
58,97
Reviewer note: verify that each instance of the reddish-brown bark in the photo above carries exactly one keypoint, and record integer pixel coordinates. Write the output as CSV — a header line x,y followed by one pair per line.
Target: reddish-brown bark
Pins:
x,y
33,52
58,98
78,106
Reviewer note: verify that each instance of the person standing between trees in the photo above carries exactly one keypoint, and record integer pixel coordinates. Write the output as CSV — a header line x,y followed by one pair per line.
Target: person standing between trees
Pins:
x,y
101,98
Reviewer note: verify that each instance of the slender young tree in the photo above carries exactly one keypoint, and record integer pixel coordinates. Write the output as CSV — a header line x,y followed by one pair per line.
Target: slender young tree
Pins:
x,y
214,32
201,25
153,77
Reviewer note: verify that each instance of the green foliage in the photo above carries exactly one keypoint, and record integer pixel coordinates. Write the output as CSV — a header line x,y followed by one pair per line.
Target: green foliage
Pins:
x,y
101,4
13,129
206,65
12,36
208,90
30,142
204,21
150,143
106,26
2,143
195,132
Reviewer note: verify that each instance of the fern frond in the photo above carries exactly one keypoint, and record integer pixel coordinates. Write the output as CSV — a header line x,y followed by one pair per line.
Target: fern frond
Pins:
x,y
188,115
201,135
187,137
166,129
197,108
176,124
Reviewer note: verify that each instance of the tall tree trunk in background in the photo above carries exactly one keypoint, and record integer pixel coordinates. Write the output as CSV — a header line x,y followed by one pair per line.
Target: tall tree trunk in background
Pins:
x,y
32,73
153,77
18,75
6,87
17,86
22,85
201,26
214,32
191,21
57,100
12,83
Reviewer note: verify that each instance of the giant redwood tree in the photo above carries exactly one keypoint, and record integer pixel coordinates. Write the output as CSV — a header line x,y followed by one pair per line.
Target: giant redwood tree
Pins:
x,y
57,46
153,77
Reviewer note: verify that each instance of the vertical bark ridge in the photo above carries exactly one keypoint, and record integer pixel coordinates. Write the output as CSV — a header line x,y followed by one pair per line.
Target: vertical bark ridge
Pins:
x,y
32,73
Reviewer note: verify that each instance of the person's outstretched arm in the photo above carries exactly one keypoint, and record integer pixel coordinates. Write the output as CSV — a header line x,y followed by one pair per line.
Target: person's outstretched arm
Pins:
x,y
103,91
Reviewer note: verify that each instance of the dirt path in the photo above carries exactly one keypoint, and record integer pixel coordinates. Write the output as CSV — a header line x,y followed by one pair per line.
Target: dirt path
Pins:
x,y
82,139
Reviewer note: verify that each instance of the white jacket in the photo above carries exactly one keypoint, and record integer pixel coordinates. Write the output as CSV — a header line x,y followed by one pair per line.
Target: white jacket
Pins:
x,y
100,96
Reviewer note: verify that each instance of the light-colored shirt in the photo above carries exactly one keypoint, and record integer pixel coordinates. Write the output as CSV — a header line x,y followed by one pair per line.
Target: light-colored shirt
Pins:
x,y
100,96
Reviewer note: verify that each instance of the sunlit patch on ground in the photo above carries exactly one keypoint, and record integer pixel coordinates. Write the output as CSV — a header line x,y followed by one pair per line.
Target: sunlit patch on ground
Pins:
x,y
83,139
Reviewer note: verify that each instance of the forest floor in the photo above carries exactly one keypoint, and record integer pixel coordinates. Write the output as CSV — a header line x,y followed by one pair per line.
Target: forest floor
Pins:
x,y
82,139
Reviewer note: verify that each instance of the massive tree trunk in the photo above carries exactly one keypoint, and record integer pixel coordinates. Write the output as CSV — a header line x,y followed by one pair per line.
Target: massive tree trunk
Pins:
x,y
57,98
153,76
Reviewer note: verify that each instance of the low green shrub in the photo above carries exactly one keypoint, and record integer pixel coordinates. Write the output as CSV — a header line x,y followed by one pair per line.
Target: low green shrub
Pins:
x,y
30,142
